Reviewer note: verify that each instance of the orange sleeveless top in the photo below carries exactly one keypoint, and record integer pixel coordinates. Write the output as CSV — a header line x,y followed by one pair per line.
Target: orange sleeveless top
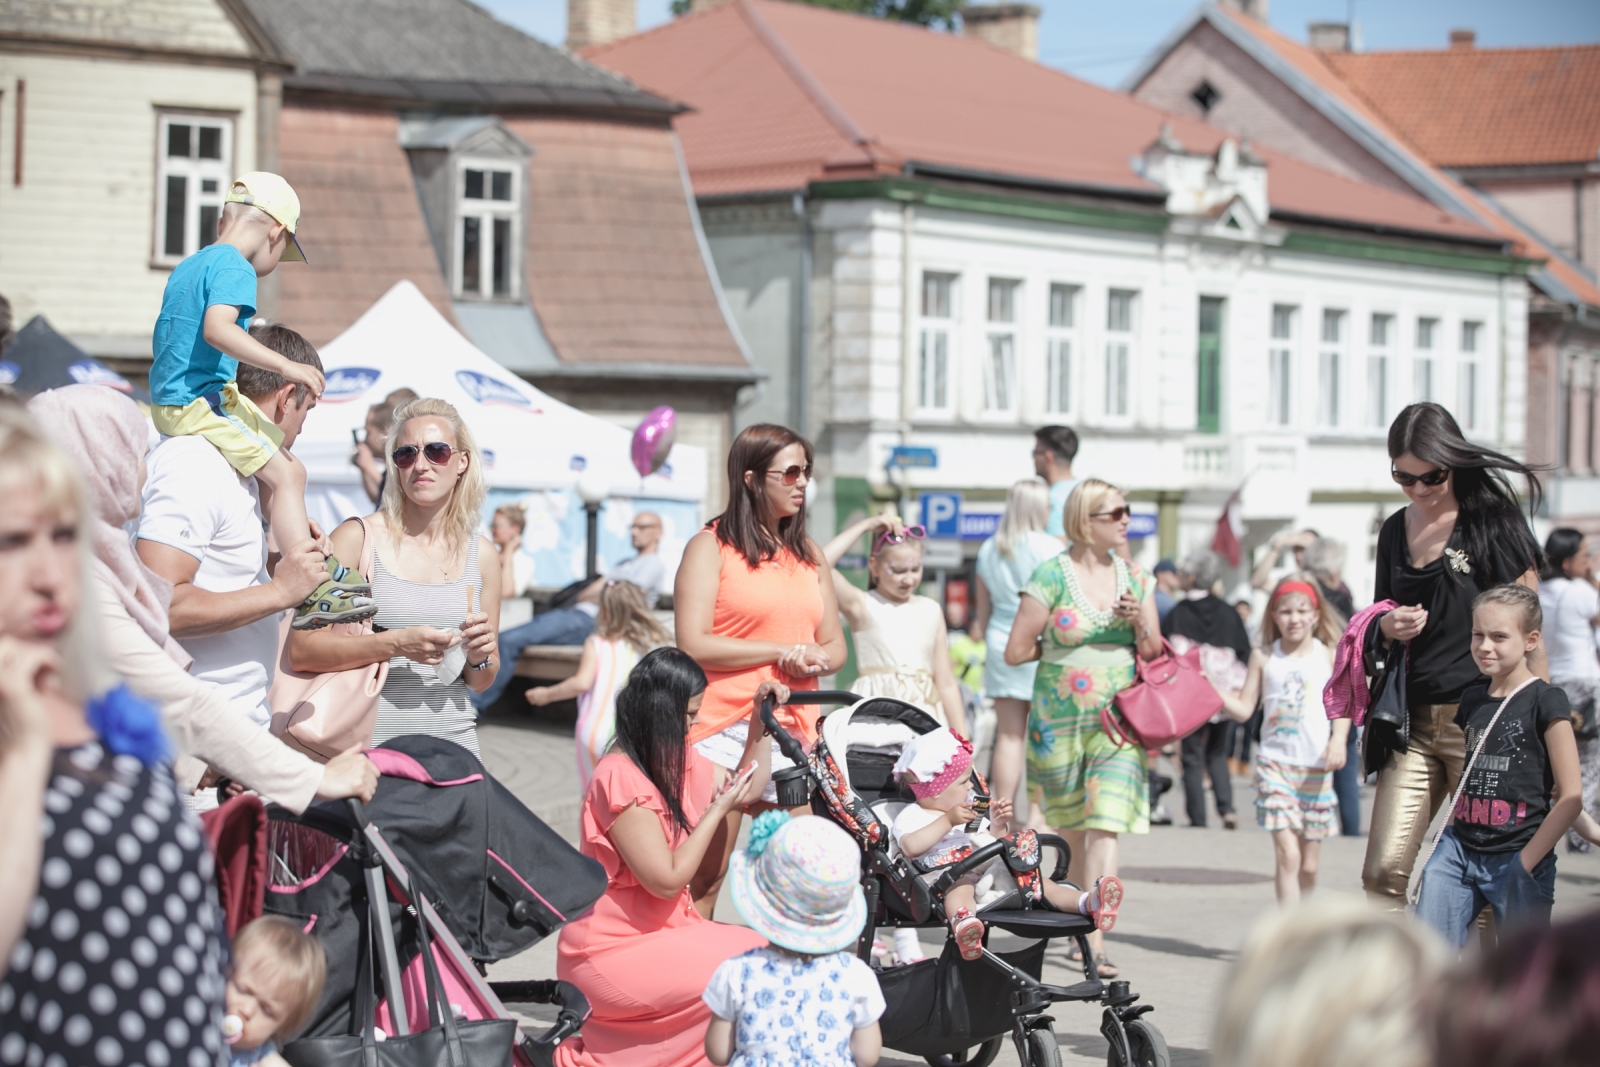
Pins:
x,y
780,601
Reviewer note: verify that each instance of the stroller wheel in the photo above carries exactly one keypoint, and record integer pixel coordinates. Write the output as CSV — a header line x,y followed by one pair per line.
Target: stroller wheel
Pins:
x,y
1042,1048
981,1056
1148,1046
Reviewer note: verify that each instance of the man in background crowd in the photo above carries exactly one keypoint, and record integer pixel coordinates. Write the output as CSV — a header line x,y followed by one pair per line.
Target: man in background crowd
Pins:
x,y
1054,448
368,456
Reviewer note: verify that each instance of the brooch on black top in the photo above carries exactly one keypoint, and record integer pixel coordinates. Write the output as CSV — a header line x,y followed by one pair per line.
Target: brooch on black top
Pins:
x,y
1458,561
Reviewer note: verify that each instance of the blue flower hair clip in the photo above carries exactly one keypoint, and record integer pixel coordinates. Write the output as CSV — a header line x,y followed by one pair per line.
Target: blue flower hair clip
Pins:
x,y
128,725
761,830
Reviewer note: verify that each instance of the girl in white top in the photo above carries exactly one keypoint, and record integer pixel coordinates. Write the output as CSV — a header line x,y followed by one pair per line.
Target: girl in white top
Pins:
x,y
1295,763
1571,604
624,631
901,649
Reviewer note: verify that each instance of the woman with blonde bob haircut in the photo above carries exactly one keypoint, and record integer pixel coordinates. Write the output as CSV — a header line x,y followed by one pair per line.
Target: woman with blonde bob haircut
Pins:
x,y
432,591
1334,983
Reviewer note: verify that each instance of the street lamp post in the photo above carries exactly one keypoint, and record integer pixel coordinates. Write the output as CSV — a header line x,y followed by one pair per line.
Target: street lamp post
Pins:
x,y
592,490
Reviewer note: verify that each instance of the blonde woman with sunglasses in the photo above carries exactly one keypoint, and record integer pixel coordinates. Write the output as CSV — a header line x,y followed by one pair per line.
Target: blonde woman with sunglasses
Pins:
x,y
434,593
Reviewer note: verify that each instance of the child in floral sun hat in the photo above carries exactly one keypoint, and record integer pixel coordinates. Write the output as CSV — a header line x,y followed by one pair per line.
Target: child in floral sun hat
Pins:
x,y
933,832
806,997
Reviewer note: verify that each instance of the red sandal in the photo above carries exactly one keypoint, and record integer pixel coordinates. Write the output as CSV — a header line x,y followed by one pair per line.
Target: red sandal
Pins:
x,y
1109,889
968,930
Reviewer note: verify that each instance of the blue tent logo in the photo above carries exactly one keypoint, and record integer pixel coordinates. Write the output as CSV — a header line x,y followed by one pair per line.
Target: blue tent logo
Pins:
x,y
346,383
93,372
487,390
9,372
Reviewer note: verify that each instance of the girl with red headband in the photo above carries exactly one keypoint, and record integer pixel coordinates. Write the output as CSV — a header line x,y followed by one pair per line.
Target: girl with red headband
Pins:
x,y
1294,784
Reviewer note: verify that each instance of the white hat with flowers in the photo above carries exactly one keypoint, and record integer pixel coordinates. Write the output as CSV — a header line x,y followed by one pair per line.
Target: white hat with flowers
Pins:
x,y
798,884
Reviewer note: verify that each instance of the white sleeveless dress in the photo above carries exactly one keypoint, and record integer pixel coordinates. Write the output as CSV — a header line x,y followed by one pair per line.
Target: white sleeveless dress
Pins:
x,y
894,652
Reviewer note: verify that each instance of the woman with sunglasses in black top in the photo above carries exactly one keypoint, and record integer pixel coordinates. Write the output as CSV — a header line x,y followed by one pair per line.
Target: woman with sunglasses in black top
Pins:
x,y
1463,532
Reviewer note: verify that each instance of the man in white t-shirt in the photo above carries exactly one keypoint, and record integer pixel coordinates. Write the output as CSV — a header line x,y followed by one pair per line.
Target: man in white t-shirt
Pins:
x,y
201,529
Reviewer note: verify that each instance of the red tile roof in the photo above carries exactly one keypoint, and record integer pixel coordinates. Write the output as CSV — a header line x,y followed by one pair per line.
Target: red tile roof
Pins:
x,y
1313,65
784,94
1485,107
361,224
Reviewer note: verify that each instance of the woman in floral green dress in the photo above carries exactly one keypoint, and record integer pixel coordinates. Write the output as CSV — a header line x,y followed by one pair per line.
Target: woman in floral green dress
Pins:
x,y
1083,615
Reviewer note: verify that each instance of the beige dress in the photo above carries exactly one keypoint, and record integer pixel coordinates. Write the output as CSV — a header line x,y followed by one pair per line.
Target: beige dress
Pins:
x,y
894,651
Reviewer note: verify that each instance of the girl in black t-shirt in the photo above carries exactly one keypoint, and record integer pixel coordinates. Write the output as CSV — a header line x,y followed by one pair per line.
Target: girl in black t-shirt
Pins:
x,y
1522,788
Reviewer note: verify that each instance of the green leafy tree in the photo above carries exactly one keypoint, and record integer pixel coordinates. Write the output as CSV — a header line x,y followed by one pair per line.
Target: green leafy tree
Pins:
x,y
922,12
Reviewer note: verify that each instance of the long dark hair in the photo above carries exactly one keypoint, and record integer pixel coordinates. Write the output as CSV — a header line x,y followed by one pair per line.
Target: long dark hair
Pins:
x,y
1562,544
652,721
1492,530
748,524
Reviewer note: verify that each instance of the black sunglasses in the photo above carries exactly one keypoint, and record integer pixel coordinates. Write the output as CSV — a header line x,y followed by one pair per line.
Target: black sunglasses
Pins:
x,y
1435,477
436,452
790,475
1115,514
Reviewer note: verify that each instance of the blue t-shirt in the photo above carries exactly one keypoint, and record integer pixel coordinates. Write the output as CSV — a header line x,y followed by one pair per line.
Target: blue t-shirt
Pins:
x,y
1058,502
185,367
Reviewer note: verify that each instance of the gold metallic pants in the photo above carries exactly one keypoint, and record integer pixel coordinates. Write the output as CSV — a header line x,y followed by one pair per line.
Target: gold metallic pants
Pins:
x,y
1411,788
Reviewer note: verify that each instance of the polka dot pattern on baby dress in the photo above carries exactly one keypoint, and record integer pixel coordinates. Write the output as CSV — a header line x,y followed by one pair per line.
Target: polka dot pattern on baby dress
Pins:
x,y
122,960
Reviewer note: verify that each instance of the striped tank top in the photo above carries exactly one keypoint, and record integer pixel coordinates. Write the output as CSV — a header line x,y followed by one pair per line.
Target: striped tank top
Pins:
x,y
414,701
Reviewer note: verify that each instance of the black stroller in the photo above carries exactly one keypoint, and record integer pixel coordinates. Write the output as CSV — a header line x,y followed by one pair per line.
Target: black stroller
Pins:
x,y
948,1010
409,914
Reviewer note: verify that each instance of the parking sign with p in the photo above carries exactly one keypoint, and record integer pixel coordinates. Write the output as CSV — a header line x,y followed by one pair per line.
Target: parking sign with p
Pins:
x,y
941,514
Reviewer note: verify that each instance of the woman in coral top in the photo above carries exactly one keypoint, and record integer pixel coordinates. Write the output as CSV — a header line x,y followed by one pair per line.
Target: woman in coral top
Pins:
x,y
644,954
754,603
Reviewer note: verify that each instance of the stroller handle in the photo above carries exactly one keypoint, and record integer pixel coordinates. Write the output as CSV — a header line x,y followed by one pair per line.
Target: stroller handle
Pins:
x,y
786,743
358,811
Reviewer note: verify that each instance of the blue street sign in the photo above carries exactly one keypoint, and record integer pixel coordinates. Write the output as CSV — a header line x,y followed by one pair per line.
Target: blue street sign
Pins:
x,y
1141,524
913,456
979,525
941,514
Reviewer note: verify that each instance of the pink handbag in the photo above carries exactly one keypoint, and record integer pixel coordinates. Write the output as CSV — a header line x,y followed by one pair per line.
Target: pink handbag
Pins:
x,y
323,715
1170,700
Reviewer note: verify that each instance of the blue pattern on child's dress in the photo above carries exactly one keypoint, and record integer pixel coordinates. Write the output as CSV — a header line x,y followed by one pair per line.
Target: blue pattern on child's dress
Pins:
x,y
795,1011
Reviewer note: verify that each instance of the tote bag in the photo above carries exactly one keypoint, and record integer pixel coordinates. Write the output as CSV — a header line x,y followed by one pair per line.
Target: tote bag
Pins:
x,y
1169,700
323,715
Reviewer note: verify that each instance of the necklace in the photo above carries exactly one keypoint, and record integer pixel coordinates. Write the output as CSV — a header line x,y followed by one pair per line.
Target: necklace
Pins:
x,y
1097,618
425,552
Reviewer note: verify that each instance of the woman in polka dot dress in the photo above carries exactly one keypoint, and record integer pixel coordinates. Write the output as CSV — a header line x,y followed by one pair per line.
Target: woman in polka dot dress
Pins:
x,y
120,960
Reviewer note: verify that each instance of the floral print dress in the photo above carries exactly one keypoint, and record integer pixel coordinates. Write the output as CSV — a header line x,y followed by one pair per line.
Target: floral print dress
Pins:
x,y
790,1010
1087,781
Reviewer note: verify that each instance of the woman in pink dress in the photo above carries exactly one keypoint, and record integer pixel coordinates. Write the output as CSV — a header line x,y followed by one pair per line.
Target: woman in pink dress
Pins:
x,y
644,954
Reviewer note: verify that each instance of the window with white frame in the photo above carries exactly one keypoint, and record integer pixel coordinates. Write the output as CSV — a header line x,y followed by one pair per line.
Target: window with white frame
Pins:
x,y
488,213
1280,363
1379,336
1119,349
1422,360
1000,369
1330,367
933,353
194,167
1058,349
1467,376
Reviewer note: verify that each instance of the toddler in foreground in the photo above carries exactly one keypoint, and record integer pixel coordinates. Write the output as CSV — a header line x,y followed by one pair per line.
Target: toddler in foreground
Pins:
x,y
201,337
937,767
275,985
1521,787
806,997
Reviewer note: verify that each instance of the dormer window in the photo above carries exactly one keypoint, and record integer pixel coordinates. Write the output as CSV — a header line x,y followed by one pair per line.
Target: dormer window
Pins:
x,y
1205,95
486,242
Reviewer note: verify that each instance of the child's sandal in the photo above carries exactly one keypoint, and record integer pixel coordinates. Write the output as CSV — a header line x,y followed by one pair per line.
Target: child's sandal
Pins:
x,y
968,931
1109,889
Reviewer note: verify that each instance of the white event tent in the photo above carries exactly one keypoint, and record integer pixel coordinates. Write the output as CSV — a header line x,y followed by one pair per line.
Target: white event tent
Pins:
x,y
530,441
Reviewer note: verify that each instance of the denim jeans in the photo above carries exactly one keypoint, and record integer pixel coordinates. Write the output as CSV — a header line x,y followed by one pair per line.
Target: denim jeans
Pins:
x,y
564,626
1459,881
1347,786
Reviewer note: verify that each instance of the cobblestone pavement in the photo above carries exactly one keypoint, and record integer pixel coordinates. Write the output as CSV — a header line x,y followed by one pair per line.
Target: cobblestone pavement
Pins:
x,y
1193,895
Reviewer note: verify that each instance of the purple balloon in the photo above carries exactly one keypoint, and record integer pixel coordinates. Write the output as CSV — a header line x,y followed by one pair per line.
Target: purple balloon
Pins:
x,y
652,441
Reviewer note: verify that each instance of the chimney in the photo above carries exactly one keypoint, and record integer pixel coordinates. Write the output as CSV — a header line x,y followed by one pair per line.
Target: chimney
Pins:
x,y
598,21
1329,36
1463,40
1256,9
1014,27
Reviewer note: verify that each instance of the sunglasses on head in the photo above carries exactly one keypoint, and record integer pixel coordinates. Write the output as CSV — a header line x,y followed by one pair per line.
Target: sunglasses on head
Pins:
x,y
436,452
790,475
1434,477
1115,514
909,533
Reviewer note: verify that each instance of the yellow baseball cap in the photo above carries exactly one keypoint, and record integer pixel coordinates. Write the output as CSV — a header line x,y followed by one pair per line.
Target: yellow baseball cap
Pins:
x,y
271,194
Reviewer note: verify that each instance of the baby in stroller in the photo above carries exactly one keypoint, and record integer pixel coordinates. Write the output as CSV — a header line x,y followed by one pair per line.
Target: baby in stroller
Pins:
x,y
943,827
